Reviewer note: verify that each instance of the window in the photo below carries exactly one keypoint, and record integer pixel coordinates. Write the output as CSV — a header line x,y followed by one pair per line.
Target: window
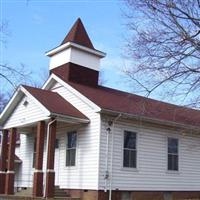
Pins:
x,y
130,150
34,153
173,154
71,149
56,144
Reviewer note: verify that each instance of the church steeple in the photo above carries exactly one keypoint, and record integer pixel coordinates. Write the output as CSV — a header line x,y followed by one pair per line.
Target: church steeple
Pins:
x,y
76,59
76,48
78,35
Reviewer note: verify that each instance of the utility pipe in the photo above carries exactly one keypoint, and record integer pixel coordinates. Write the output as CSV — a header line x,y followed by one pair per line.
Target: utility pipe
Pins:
x,y
111,165
47,144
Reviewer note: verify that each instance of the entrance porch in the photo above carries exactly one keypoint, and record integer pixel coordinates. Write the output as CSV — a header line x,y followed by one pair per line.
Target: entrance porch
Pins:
x,y
38,174
36,114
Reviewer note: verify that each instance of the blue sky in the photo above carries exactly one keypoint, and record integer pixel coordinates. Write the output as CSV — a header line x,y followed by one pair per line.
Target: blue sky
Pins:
x,y
38,26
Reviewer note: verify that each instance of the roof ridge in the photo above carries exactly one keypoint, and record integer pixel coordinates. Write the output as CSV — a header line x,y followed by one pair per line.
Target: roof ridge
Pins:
x,y
139,96
115,100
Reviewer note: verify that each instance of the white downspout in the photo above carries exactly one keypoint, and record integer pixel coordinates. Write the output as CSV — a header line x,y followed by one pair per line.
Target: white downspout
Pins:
x,y
1,135
106,176
111,165
47,144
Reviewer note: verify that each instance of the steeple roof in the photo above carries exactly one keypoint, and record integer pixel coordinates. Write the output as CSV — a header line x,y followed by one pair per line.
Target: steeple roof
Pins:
x,y
78,35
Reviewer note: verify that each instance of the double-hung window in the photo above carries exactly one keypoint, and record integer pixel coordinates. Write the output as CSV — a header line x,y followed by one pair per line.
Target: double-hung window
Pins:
x,y
71,148
130,150
173,154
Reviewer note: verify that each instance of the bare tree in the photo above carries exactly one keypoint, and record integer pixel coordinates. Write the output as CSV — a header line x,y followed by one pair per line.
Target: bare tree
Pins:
x,y
164,43
11,74
3,101
43,75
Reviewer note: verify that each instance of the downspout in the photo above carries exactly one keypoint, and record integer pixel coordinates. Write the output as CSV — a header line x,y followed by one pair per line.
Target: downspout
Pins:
x,y
47,144
111,165
106,176
1,135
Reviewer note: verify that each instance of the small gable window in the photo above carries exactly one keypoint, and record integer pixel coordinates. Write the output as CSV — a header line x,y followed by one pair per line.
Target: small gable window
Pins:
x,y
25,103
130,149
173,154
71,148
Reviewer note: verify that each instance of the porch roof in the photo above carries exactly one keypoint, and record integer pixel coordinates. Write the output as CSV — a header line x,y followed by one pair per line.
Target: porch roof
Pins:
x,y
53,102
44,104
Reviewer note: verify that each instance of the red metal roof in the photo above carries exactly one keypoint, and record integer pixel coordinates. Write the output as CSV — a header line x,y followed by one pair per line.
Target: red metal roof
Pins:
x,y
78,35
54,102
115,100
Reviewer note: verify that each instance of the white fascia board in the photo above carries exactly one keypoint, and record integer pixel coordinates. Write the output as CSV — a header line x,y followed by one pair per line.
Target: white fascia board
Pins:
x,y
71,44
20,92
46,111
73,90
17,96
50,81
69,119
25,124
149,119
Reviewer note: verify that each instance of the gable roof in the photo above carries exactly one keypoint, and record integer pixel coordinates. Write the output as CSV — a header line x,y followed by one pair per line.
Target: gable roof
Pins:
x,y
119,101
53,102
123,102
78,35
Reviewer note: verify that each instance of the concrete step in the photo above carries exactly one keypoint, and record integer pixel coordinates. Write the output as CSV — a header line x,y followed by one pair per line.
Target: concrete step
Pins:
x,y
60,192
24,192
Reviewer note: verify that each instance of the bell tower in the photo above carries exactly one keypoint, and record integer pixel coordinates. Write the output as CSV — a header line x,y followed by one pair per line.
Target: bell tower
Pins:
x,y
76,59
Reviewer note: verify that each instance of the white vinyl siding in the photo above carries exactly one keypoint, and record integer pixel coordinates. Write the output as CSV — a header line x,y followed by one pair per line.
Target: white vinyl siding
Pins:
x,y
82,176
85,174
25,114
151,173
24,173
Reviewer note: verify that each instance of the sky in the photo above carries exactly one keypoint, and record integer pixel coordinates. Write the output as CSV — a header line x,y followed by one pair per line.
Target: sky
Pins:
x,y
37,26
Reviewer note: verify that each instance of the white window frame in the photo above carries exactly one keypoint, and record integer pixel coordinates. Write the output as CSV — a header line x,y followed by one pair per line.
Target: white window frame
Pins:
x,y
76,149
178,154
130,168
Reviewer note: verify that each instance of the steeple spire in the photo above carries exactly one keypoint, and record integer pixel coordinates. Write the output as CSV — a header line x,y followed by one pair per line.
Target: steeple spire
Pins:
x,y
76,49
78,35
